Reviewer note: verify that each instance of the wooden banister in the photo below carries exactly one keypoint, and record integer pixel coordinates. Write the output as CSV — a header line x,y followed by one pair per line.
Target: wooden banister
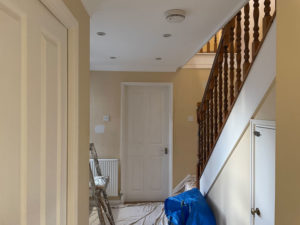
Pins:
x,y
229,71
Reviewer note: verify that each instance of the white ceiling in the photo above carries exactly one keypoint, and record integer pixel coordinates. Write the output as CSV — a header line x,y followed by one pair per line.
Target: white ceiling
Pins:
x,y
134,30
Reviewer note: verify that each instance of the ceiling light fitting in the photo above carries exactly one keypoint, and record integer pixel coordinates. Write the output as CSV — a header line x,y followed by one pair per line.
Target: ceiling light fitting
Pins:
x,y
158,58
100,33
167,35
112,57
175,15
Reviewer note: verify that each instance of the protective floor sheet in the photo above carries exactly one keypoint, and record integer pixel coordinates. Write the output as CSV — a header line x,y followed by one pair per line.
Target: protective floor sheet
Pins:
x,y
150,213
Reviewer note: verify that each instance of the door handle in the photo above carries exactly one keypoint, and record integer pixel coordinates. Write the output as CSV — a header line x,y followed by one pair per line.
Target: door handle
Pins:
x,y
166,151
255,211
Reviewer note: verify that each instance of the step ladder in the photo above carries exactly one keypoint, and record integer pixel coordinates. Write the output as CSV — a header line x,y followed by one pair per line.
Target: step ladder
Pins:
x,y
98,196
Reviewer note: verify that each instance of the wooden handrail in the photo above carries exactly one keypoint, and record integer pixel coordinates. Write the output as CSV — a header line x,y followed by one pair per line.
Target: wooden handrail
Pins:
x,y
232,64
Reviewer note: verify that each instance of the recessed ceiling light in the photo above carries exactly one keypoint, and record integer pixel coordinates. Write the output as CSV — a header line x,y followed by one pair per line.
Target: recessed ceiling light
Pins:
x,y
158,58
167,35
100,33
113,57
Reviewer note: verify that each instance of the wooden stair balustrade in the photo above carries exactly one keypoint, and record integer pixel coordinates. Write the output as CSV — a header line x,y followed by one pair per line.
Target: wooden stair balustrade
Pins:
x,y
212,45
229,72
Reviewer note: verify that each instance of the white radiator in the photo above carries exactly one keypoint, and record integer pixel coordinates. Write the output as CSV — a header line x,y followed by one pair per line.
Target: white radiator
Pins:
x,y
110,168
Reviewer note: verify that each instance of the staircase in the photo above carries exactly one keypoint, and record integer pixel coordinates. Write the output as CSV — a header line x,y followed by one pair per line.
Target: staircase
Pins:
x,y
240,43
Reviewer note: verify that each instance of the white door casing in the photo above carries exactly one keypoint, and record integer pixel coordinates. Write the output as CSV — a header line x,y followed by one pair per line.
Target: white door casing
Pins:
x,y
146,148
33,115
263,135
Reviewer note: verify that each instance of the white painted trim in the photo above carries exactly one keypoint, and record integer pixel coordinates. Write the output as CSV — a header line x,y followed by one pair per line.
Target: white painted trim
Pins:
x,y
262,123
259,80
147,84
63,14
200,61
138,68
115,202
253,124
122,144
122,141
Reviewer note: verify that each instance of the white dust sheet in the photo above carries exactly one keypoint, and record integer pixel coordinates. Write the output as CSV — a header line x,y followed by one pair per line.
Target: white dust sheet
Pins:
x,y
150,213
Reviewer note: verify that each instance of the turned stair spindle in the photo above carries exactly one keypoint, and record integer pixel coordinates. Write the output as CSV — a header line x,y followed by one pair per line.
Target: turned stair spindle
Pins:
x,y
203,137
216,128
208,47
225,89
200,159
256,42
231,74
207,127
215,43
267,17
211,112
220,64
238,81
204,130
246,40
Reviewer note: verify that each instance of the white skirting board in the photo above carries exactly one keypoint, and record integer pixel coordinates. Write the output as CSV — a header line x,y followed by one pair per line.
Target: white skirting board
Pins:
x,y
259,80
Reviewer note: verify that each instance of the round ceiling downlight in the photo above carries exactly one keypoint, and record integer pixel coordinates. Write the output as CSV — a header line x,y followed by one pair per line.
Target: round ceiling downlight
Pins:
x,y
158,58
113,57
167,35
100,33
175,15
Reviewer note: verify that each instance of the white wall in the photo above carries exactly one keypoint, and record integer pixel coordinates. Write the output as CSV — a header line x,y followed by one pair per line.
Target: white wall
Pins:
x,y
230,194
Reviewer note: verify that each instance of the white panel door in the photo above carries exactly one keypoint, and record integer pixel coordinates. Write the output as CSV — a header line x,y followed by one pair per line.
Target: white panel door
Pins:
x,y
264,176
147,143
33,115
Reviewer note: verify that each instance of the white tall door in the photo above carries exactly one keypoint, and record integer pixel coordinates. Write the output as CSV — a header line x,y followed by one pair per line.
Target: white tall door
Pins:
x,y
33,115
264,176
147,140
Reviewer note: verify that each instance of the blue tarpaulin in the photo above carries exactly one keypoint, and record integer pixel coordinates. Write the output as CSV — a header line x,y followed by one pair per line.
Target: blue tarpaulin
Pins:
x,y
189,208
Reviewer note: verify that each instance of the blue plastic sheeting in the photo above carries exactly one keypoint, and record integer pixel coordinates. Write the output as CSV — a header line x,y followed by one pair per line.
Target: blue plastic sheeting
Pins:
x,y
189,208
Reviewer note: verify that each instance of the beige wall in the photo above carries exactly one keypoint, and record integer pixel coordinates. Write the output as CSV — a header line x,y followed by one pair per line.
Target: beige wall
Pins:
x,y
189,85
288,113
230,194
84,81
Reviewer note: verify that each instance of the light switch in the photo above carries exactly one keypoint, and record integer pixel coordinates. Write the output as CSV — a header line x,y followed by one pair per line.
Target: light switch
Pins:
x,y
106,118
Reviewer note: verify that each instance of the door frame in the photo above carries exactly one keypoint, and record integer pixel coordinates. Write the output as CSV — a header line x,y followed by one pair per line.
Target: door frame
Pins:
x,y
124,85
64,15
268,124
